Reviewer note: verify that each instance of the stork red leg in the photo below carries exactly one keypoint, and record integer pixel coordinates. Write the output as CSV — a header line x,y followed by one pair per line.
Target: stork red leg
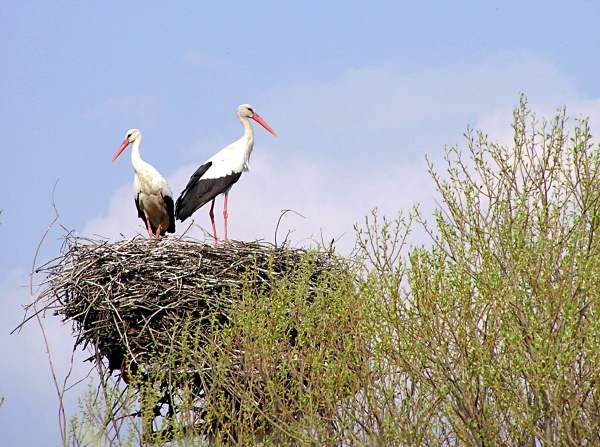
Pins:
x,y
225,214
158,229
211,213
149,228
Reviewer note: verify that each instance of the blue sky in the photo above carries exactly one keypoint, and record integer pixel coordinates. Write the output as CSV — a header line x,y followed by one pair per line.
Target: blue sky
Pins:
x,y
358,91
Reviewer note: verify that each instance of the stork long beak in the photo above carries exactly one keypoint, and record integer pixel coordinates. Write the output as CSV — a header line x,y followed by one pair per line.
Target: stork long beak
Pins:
x,y
124,145
256,117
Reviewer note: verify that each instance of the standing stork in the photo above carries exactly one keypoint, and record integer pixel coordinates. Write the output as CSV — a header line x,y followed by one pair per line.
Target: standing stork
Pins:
x,y
153,196
219,173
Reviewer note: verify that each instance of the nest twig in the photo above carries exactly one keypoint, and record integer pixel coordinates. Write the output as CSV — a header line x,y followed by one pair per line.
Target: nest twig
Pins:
x,y
124,297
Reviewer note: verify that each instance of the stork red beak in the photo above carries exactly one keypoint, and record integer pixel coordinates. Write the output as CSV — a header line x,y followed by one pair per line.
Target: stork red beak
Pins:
x,y
256,117
121,149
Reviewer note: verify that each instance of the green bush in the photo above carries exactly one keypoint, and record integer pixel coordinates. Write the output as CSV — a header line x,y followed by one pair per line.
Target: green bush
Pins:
x,y
493,338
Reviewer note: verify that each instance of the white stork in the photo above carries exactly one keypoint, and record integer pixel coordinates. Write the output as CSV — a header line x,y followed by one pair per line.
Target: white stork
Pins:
x,y
218,174
153,196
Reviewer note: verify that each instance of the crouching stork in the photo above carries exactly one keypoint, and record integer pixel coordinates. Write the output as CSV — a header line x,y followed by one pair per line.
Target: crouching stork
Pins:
x,y
153,196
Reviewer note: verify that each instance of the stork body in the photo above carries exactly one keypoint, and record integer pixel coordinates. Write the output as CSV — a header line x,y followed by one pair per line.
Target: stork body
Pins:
x,y
220,172
152,194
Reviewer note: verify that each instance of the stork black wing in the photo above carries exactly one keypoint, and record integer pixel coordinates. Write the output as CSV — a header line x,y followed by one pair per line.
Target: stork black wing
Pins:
x,y
171,212
200,191
141,214
182,205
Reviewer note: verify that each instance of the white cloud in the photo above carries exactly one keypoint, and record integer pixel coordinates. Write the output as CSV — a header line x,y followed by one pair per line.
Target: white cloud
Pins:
x,y
386,113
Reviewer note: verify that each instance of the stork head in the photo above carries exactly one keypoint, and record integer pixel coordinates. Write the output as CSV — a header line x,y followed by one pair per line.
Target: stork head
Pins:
x,y
130,137
247,111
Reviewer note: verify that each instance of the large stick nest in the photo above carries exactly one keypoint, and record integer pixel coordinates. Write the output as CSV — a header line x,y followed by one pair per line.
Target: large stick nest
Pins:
x,y
125,297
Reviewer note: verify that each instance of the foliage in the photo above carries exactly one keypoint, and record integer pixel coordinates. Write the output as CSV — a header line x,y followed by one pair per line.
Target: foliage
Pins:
x,y
494,339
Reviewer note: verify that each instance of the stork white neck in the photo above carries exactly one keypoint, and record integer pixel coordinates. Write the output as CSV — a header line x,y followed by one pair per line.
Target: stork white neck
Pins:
x,y
248,131
136,159
247,140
